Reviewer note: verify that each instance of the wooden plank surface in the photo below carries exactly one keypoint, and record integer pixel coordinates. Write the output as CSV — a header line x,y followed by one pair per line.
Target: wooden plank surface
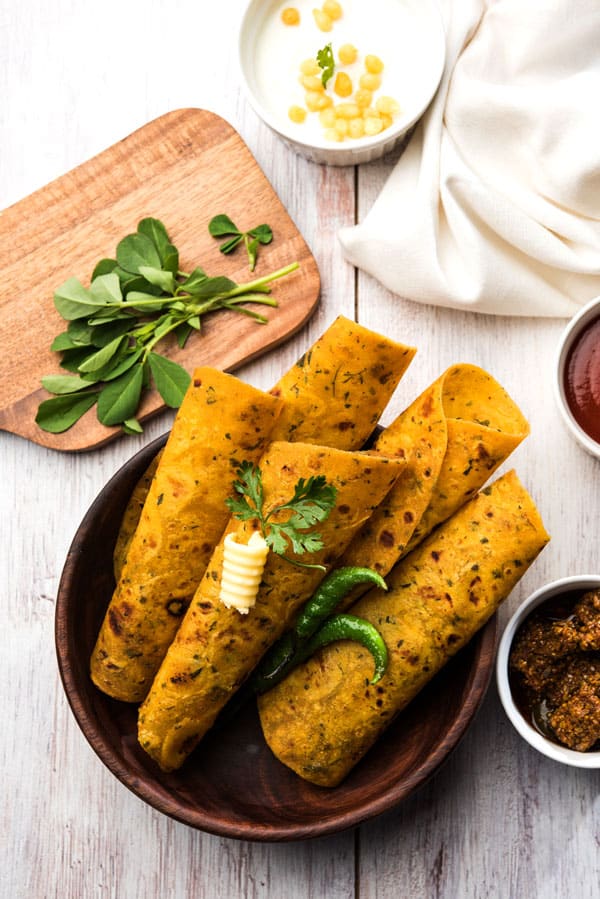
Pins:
x,y
183,168
498,821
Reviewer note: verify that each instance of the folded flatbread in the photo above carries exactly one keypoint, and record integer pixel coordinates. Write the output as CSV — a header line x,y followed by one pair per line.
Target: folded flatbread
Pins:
x,y
323,717
216,647
221,422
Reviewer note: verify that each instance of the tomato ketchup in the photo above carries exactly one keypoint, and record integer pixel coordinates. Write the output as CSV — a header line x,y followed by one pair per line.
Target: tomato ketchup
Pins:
x,y
582,379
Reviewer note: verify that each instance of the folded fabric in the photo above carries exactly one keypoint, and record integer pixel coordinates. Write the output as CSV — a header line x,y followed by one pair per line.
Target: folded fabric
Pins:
x,y
495,205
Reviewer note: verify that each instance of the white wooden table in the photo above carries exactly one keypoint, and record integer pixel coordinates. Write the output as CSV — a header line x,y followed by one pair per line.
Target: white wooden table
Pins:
x,y
498,820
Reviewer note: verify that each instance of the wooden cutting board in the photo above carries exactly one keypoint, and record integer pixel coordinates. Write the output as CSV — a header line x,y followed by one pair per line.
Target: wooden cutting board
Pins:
x,y
183,168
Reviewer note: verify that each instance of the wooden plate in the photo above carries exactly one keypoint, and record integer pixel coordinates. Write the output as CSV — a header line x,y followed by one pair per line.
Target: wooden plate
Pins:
x,y
183,168
232,785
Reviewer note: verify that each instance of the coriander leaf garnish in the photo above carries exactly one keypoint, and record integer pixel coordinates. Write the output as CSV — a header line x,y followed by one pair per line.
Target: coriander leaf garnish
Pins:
x,y
222,226
115,324
312,501
326,62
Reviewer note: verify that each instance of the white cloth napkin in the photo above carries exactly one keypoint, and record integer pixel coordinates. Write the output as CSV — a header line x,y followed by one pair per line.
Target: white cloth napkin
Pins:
x,y
495,204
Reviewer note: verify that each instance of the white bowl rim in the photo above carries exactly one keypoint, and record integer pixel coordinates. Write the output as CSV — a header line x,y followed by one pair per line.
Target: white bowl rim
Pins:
x,y
369,142
527,731
587,313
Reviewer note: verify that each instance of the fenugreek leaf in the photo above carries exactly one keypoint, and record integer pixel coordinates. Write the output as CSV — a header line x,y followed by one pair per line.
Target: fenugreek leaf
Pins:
x,y
101,335
228,246
182,332
132,426
72,359
118,365
159,278
80,332
157,232
119,400
104,267
171,379
106,288
64,341
222,226
263,234
61,412
214,286
73,301
194,280
101,357
137,250
252,250
63,384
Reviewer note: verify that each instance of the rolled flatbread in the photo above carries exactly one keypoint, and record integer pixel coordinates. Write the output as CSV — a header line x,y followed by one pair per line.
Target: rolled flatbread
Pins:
x,y
452,437
325,715
221,422
216,647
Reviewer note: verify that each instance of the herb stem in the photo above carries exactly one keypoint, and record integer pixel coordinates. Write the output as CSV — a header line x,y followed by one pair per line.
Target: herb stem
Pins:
x,y
266,279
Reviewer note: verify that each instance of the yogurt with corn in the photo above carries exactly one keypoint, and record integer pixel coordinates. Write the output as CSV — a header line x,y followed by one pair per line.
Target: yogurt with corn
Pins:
x,y
374,54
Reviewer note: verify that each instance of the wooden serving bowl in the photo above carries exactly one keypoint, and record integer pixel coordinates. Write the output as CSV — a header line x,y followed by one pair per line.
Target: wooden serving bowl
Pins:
x,y
232,785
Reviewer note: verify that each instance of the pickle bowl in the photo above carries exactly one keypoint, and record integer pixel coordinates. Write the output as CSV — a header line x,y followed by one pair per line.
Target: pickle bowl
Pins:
x,y
232,785
576,379
411,35
524,723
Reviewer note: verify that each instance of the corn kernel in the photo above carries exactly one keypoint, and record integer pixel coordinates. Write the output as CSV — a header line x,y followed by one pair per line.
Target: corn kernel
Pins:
x,y
332,134
373,64
327,117
290,16
369,81
343,86
297,114
387,105
356,128
341,126
347,54
373,126
311,83
333,9
386,120
369,112
317,100
347,110
322,20
310,67
363,98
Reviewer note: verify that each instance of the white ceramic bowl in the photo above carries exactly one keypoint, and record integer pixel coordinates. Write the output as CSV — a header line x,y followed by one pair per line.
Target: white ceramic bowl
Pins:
x,y
581,320
270,54
527,731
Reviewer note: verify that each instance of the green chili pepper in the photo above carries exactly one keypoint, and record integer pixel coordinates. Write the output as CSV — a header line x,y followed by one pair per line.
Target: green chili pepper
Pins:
x,y
330,593
315,628
282,656
348,627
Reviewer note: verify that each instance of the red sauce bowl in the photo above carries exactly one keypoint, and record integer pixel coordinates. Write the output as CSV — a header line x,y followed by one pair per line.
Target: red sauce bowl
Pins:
x,y
577,377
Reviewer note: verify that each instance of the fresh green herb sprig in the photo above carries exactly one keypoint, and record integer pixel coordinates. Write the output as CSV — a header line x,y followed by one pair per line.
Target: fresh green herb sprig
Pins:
x,y
115,325
312,501
222,226
327,63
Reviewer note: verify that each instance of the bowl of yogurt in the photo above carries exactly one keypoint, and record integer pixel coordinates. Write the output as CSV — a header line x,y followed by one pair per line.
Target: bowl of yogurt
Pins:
x,y
341,81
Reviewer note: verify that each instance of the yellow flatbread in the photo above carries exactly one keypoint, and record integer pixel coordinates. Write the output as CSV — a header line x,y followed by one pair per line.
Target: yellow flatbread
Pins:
x,y
323,717
217,647
221,423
